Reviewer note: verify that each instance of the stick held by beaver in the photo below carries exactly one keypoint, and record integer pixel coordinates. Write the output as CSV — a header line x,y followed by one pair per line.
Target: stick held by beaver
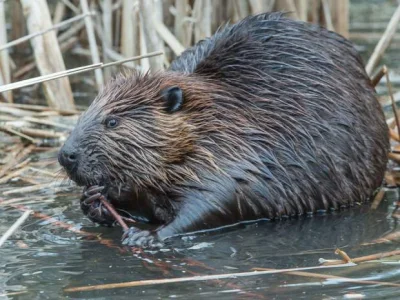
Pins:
x,y
269,118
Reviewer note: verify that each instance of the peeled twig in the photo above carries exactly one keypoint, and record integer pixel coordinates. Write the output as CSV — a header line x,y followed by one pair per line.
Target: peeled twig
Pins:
x,y
364,258
384,42
337,278
191,278
344,255
114,213
14,227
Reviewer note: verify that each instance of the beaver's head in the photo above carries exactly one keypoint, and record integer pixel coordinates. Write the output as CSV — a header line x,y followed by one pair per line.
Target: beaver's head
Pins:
x,y
134,130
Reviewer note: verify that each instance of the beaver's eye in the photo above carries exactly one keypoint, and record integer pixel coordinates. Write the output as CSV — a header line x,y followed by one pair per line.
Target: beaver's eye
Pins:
x,y
111,122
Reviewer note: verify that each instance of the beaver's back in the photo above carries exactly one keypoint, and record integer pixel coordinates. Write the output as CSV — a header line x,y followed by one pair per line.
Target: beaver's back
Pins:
x,y
301,111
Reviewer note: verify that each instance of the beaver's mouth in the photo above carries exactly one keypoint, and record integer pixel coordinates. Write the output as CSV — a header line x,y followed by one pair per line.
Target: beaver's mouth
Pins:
x,y
85,180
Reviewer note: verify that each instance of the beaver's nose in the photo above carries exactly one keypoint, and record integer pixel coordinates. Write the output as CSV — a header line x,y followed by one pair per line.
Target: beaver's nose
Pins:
x,y
67,157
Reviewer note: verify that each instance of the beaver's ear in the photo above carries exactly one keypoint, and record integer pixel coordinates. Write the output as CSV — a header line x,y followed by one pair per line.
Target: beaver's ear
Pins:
x,y
173,98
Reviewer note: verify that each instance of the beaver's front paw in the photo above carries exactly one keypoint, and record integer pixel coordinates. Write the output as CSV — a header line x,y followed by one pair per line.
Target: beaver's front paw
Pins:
x,y
93,208
141,238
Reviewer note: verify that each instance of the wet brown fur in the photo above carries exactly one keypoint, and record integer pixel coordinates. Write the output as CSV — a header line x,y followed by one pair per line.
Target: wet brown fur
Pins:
x,y
279,119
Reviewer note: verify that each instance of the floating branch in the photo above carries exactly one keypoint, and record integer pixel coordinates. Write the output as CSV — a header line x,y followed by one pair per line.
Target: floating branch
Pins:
x,y
192,278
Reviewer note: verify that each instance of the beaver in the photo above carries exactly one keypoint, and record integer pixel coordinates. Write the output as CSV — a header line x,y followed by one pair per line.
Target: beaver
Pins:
x,y
268,118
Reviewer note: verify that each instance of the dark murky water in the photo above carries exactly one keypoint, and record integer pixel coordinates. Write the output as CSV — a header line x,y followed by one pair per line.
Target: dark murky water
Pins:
x,y
43,258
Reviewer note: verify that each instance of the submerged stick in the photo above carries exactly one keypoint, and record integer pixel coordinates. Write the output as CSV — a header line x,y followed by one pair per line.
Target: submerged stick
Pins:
x,y
14,227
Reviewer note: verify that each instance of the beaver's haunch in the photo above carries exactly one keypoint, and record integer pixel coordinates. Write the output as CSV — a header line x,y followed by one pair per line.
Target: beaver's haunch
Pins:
x,y
268,118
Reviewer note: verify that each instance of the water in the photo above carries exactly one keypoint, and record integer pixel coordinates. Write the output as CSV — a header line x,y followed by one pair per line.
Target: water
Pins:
x,y
43,258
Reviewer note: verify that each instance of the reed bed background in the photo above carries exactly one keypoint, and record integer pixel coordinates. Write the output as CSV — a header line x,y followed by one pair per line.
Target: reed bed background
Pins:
x,y
36,36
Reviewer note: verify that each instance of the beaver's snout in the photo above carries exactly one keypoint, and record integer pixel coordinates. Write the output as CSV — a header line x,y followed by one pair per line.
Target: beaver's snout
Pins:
x,y
68,158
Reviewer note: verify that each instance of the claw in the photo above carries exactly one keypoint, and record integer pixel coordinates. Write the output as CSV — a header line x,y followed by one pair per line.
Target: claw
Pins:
x,y
94,189
92,198
141,238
